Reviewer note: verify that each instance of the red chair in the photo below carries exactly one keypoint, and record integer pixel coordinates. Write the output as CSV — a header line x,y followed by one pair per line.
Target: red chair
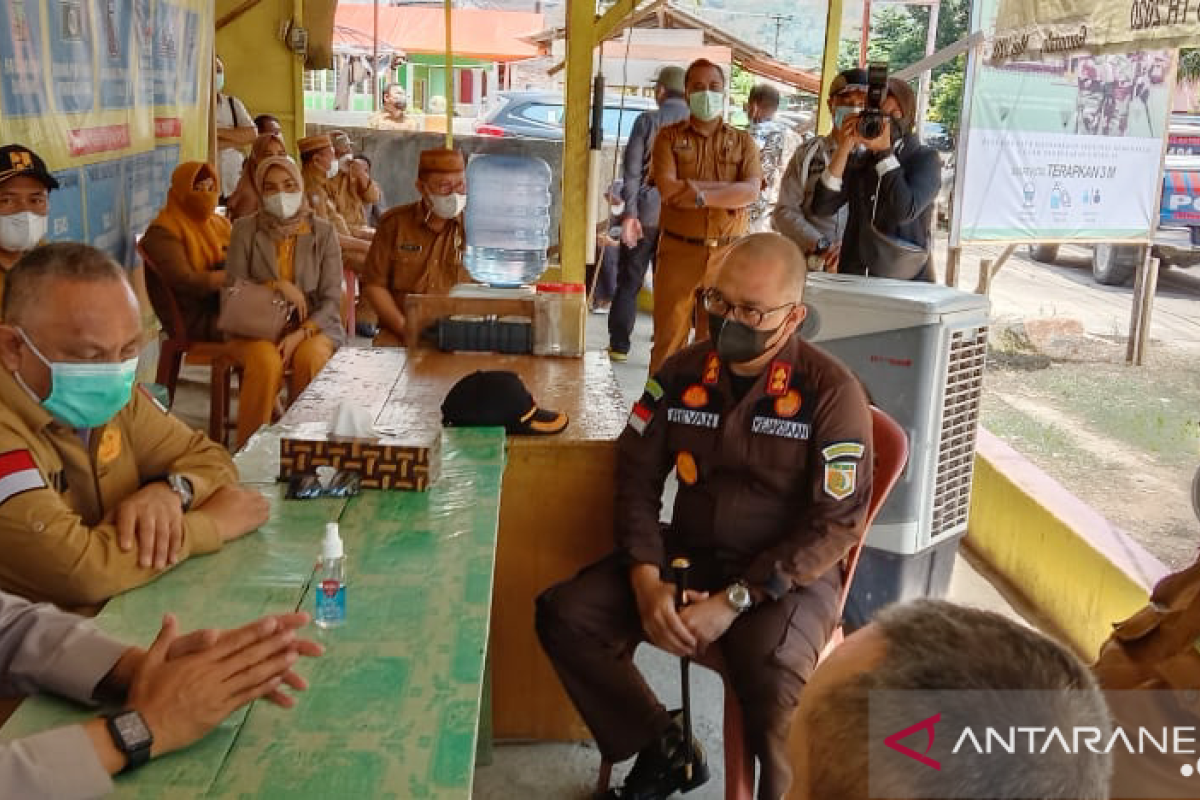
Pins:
x,y
891,456
178,344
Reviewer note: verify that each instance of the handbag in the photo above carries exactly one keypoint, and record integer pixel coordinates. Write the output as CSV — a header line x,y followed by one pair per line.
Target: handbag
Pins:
x,y
253,311
887,256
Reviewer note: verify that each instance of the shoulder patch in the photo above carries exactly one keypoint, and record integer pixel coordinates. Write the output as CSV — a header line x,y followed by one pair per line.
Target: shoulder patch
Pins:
x,y
18,474
654,390
841,479
843,450
639,418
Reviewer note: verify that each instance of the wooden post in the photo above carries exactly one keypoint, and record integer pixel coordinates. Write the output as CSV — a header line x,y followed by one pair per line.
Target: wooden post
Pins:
x,y
573,229
953,257
1144,287
829,69
984,286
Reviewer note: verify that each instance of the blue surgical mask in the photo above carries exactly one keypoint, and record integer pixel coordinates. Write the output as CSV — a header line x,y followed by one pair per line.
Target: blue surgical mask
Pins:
x,y
843,113
86,395
706,106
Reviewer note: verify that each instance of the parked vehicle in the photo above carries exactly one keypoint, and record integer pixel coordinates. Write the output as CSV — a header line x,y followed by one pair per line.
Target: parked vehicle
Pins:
x,y
539,115
937,136
1177,241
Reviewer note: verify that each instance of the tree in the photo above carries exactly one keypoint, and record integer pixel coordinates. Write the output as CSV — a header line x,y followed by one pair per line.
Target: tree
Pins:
x,y
945,104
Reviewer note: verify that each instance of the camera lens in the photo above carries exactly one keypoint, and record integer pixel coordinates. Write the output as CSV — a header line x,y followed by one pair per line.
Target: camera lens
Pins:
x,y
870,125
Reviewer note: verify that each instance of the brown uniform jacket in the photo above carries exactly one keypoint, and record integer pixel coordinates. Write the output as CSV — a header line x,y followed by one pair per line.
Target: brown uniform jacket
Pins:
x,y
727,155
383,121
58,497
773,489
349,199
319,190
44,649
199,304
409,257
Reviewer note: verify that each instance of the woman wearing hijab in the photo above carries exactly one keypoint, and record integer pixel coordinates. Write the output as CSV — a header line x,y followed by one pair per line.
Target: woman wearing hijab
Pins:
x,y
186,243
285,246
244,199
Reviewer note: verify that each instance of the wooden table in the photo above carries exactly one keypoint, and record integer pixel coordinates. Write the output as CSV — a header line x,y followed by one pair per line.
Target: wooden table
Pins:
x,y
556,505
395,702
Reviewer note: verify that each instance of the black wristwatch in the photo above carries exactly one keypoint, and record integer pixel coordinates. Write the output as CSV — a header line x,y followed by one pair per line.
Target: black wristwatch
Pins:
x,y
132,737
182,487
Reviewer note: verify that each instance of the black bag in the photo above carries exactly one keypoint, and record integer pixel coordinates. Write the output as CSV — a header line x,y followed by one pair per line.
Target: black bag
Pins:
x,y
887,256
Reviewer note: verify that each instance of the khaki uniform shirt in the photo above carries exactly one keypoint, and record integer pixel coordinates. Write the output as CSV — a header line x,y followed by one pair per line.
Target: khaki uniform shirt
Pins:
x,y
44,649
58,496
773,488
319,190
727,155
349,199
407,256
383,121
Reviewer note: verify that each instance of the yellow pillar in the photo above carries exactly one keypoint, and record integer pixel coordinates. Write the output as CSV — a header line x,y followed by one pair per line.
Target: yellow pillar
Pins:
x,y
259,68
573,229
829,70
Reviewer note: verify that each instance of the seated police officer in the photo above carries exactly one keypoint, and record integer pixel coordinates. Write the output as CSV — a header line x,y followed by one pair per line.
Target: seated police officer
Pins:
x,y
101,490
770,439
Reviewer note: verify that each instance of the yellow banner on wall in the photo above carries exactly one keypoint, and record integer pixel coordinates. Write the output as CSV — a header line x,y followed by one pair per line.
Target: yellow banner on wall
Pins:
x,y
113,94
1025,27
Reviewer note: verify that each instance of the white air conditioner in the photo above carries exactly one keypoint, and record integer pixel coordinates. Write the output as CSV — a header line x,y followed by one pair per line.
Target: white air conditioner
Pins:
x,y
920,350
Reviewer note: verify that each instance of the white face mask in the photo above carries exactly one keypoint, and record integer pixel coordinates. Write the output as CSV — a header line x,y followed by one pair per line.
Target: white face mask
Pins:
x,y
22,231
333,169
283,205
617,209
447,206
345,160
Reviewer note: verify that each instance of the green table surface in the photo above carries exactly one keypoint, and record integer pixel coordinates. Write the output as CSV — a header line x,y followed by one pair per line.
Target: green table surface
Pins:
x,y
394,704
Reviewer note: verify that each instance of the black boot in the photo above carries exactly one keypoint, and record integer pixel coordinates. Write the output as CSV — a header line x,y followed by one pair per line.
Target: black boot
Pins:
x,y
661,769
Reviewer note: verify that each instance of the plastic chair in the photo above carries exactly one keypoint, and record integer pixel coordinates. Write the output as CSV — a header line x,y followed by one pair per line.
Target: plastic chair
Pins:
x,y
891,456
178,344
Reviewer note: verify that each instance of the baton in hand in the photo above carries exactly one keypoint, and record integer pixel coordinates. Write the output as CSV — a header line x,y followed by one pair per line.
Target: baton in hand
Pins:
x,y
680,567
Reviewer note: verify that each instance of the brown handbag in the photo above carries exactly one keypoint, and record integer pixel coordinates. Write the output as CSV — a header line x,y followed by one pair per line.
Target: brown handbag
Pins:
x,y
253,311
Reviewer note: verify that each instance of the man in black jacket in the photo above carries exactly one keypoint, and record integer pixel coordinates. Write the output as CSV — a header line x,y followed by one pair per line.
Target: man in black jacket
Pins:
x,y
892,179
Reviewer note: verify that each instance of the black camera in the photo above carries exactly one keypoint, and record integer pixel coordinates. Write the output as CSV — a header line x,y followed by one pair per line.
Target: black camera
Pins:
x,y
872,120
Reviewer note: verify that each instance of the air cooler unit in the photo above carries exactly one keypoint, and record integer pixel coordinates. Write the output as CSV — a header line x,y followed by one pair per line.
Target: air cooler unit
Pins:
x,y
919,349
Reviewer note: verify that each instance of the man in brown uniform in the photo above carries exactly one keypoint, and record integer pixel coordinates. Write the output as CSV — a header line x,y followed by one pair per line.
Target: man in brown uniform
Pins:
x,y
320,167
707,172
418,247
771,441
101,490
352,188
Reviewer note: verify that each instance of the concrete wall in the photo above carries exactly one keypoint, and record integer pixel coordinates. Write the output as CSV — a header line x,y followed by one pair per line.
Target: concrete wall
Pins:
x,y
394,157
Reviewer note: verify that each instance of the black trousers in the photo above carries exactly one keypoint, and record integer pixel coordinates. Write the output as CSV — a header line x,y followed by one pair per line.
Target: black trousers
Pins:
x,y
631,273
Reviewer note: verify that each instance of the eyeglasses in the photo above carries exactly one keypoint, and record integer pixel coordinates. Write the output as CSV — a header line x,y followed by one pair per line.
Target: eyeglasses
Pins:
x,y
715,303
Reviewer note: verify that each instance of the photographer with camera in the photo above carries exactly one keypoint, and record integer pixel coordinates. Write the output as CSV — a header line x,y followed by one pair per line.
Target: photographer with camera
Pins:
x,y
887,178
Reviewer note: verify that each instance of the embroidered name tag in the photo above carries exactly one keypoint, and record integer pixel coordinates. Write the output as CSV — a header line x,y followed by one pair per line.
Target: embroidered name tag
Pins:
x,y
699,419
411,248
786,428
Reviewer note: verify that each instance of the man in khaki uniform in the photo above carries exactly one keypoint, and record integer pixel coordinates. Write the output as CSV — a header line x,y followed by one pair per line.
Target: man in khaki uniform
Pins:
x,y
393,116
25,186
352,188
707,172
101,490
320,167
418,247
174,694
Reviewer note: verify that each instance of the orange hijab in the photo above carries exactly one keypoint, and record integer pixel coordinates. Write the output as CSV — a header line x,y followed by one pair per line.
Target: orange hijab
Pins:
x,y
190,216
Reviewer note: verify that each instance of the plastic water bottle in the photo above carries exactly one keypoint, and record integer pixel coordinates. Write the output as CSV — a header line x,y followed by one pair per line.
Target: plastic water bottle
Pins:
x,y
507,219
331,580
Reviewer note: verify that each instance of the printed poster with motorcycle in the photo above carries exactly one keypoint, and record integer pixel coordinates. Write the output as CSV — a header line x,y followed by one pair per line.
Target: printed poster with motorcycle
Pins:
x,y
1065,148
104,91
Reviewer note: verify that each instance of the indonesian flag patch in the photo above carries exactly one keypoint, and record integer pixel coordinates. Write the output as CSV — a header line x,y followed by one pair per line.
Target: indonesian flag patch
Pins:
x,y
18,474
639,418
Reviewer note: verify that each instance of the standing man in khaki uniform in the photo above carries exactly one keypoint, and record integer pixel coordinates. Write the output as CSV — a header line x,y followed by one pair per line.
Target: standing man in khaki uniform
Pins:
x,y
771,441
393,116
418,248
707,172
352,187
101,490
174,694
319,167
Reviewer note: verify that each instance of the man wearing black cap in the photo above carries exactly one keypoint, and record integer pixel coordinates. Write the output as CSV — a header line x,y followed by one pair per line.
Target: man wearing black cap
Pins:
x,y
889,184
25,186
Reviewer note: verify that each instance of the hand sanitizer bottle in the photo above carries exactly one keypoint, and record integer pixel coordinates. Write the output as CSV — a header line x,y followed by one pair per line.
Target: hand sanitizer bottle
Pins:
x,y
331,580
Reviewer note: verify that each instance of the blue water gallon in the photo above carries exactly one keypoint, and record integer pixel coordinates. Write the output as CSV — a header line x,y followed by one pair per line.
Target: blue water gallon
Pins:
x,y
507,219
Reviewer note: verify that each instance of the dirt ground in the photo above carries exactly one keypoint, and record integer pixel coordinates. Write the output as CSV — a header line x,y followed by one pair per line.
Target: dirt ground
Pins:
x,y
1125,440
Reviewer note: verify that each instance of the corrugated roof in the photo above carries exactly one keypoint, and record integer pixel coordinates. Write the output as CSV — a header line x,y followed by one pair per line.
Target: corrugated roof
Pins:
x,y
477,33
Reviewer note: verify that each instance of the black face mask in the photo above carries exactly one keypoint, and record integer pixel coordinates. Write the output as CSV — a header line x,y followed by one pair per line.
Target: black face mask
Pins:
x,y
737,342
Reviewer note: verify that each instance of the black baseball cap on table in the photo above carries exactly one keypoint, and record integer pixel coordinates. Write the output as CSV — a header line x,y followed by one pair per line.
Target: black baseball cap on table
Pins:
x,y
498,399
17,159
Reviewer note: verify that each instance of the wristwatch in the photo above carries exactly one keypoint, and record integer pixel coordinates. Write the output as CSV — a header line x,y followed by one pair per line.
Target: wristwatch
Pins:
x,y
699,199
182,487
739,598
132,737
